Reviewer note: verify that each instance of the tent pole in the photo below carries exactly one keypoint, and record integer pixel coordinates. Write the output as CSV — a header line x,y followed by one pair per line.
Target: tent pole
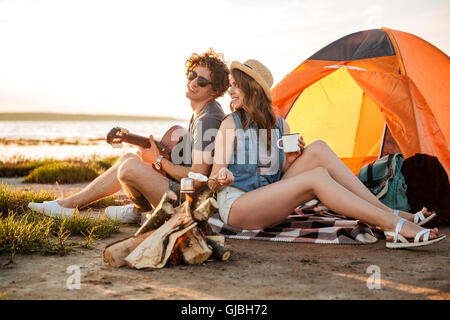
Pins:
x,y
383,141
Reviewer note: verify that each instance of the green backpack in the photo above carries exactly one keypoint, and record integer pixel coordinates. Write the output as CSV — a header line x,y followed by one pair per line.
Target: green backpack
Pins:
x,y
384,179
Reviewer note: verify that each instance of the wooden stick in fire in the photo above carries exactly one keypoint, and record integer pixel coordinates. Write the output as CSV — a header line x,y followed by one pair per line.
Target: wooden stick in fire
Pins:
x,y
202,213
161,214
205,210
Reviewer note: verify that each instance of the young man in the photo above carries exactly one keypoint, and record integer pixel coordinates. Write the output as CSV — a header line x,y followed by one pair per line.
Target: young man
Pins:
x,y
137,173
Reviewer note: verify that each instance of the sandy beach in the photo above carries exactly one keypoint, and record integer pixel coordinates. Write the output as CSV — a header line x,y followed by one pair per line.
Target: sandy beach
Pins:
x,y
256,270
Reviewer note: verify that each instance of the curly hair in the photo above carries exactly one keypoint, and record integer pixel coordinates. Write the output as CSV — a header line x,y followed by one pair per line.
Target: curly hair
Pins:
x,y
218,67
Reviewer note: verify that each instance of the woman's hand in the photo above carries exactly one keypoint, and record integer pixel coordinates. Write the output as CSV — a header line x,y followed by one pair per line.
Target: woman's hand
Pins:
x,y
223,177
292,156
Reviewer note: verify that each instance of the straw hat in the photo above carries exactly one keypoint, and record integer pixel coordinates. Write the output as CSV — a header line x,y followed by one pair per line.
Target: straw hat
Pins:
x,y
258,72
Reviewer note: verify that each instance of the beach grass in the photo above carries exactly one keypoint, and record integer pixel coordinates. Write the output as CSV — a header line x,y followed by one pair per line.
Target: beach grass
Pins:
x,y
104,163
16,200
52,170
62,172
25,231
33,232
13,169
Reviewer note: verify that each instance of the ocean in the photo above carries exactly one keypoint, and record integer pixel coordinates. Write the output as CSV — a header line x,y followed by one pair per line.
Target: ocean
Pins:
x,y
70,139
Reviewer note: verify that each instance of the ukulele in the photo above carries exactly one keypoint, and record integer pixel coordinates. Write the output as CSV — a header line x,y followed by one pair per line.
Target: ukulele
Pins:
x,y
171,138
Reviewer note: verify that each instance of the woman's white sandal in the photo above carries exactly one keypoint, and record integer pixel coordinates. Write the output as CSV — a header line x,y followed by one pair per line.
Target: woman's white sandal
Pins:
x,y
419,218
404,243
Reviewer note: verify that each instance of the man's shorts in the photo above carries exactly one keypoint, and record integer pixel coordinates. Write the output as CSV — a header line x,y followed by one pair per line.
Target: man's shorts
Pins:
x,y
174,186
142,203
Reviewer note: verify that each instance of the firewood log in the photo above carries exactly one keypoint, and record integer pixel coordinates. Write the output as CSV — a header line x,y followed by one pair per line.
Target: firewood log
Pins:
x,y
194,248
160,214
219,252
115,253
206,228
217,238
206,209
156,249
170,197
200,195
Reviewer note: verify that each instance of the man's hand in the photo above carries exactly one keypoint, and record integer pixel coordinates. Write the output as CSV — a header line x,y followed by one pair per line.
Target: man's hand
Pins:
x,y
149,156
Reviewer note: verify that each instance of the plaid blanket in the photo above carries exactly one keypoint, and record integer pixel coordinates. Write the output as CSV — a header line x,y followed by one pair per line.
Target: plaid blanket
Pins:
x,y
308,224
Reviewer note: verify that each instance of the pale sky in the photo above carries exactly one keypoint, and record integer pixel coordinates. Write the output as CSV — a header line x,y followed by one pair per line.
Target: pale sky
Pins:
x,y
127,56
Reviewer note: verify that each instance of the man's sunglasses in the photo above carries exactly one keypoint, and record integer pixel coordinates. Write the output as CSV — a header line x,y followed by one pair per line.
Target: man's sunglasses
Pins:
x,y
202,82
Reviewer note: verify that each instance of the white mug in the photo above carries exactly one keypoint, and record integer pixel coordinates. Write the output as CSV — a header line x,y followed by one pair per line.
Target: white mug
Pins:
x,y
290,142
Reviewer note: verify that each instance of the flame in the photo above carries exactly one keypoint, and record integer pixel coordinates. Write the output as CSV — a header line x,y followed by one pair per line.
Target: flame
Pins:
x,y
176,256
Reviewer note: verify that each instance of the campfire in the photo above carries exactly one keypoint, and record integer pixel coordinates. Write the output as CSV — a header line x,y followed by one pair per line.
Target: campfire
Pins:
x,y
172,234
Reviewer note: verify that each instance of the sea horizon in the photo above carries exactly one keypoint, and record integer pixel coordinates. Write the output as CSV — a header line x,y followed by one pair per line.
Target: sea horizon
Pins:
x,y
63,139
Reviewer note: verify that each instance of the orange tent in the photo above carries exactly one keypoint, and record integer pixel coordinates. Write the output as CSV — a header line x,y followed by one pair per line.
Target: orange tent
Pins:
x,y
346,94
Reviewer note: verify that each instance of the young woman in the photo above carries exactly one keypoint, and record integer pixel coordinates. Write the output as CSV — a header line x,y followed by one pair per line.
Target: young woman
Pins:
x,y
259,185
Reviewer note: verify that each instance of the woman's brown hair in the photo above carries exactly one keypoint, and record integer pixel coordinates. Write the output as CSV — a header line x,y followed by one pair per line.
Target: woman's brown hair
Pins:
x,y
255,104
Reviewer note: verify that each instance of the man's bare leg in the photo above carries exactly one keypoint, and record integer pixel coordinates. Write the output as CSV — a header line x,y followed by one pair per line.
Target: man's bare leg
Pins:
x,y
104,185
138,179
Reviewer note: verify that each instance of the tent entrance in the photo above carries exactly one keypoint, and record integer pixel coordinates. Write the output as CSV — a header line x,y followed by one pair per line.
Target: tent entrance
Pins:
x,y
335,109
388,143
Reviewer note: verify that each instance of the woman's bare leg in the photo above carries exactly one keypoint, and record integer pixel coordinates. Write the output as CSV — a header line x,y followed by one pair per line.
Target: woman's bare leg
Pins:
x,y
271,204
320,154
102,186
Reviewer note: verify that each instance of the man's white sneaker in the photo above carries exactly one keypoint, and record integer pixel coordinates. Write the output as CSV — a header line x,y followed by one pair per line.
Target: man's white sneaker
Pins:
x,y
124,214
51,209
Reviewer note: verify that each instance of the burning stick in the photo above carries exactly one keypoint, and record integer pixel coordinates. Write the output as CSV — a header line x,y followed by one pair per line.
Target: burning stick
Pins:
x,y
206,209
194,248
161,214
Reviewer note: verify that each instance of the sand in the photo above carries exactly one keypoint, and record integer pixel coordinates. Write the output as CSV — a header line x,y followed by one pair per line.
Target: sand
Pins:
x,y
256,270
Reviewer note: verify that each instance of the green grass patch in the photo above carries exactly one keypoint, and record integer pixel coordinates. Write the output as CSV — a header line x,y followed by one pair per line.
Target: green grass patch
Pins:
x,y
16,200
78,170
33,232
61,172
21,168
26,234
25,231
84,224
104,163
